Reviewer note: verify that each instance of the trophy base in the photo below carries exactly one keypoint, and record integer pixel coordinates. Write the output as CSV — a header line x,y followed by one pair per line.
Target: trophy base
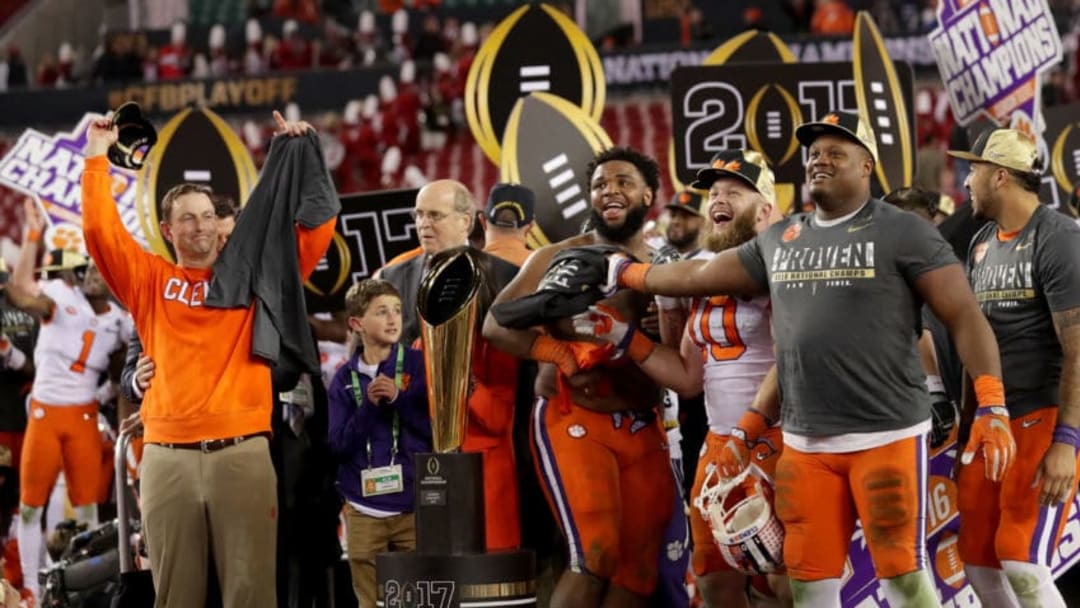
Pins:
x,y
450,503
492,580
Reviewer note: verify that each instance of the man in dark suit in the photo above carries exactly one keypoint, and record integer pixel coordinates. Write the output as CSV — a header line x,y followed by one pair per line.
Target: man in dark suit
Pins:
x,y
444,215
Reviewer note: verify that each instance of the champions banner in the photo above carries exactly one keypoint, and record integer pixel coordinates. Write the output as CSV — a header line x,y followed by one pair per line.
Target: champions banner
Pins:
x,y
861,588
990,54
49,168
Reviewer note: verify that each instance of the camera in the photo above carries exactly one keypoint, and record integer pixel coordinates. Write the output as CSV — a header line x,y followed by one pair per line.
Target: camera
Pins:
x,y
88,570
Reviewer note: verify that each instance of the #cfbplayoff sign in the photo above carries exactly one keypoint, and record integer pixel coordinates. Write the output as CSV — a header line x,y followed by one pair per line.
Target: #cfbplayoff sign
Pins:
x,y
990,54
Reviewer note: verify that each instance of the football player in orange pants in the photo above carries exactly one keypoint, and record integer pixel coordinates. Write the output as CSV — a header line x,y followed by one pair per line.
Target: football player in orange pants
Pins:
x,y
80,330
599,446
1024,273
733,337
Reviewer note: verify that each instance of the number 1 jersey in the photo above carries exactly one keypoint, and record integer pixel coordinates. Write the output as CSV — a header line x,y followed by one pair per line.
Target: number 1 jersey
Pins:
x,y
74,345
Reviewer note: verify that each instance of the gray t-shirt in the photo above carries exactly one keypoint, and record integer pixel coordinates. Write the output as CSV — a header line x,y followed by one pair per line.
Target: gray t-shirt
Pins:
x,y
1018,283
846,317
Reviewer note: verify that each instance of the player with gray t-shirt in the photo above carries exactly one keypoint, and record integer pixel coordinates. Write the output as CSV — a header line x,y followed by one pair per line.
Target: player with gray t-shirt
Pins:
x,y
847,282
1024,269
841,295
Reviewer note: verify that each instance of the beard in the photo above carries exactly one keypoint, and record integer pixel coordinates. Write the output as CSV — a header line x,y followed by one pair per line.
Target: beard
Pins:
x,y
635,219
685,240
740,231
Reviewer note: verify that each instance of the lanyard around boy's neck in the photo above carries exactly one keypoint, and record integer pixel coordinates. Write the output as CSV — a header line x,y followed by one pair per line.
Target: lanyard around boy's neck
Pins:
x,y
358,393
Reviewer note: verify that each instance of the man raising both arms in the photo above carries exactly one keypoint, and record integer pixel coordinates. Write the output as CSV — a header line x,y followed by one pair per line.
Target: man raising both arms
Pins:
x,y
846,283
207,480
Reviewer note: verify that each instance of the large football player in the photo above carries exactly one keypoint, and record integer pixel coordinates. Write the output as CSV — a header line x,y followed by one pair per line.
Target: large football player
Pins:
x,y
856,411
727,350
599,445
80,330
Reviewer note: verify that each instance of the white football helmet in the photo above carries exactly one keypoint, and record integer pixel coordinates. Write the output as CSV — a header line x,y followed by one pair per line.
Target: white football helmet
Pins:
x,y
740,514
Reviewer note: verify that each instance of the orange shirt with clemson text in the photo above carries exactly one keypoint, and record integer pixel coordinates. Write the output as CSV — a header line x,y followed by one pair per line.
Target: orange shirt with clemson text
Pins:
x,y
207,384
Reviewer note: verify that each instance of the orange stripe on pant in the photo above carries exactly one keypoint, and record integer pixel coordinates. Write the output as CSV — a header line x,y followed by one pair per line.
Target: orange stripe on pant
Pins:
x,y
1005,521
61,437
707,558
818,497
599,472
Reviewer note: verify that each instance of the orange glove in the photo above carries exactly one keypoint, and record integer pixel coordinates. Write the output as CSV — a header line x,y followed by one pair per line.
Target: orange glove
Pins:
x,y
736,453
606,323
991,434
570,357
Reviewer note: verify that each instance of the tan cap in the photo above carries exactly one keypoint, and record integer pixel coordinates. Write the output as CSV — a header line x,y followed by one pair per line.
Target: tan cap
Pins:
x,y
1007,148
747,165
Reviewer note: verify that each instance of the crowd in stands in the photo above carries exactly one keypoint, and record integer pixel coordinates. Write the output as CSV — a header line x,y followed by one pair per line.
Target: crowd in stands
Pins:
x,y
252,48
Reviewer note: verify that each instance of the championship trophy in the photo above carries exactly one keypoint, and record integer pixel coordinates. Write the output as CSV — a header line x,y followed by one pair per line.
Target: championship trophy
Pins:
x,y
450,567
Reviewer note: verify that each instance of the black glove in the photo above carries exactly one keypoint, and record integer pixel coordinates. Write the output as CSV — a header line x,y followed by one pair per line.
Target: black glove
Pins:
x,y
943,416
570,285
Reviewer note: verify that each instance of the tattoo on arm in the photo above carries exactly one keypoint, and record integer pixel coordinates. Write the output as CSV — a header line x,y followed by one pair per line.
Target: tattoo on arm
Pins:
x,y
1064,320
1067,326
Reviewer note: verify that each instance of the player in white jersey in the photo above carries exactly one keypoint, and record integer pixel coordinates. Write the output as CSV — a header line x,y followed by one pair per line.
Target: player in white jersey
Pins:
x,y
727,352
80,331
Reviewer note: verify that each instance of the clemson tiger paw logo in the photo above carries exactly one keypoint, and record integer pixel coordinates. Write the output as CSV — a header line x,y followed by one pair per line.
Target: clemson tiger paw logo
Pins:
x,y
67,237
675,550
793,231
731,165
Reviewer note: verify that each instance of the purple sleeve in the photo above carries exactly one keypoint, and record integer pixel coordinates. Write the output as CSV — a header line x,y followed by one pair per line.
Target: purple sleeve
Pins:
x,y
415,399
348,424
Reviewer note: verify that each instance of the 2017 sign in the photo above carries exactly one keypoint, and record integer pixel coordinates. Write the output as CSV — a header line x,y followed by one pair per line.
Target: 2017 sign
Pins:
x,y
759,106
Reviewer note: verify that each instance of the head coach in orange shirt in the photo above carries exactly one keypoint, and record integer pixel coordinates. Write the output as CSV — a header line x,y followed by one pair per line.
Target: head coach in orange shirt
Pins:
x,y
208,484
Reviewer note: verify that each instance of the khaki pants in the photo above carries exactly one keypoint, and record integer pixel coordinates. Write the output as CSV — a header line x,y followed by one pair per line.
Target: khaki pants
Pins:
x,y
369,536
225,502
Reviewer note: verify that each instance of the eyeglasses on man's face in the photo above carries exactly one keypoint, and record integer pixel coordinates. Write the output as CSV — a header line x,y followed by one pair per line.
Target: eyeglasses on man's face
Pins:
x,y
434,217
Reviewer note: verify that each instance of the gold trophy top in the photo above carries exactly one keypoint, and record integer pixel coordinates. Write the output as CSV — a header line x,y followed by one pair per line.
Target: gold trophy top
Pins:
x,y
447,307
